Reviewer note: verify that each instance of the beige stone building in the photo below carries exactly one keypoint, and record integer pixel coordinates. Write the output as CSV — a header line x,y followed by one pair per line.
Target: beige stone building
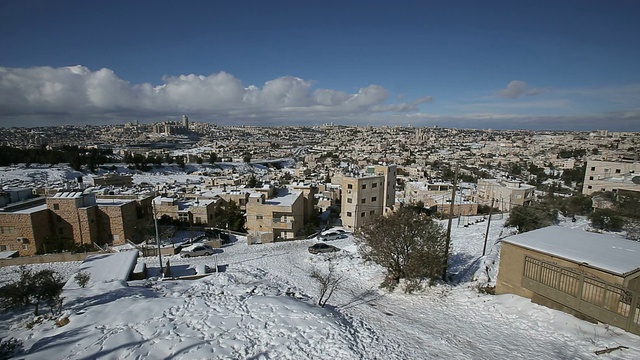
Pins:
x,y
611,176
77,217
442,204
192,211
276,214
505,194
112,180
367,195
18,229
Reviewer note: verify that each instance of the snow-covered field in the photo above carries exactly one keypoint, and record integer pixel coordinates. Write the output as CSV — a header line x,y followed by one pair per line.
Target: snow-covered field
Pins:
x,y
262,306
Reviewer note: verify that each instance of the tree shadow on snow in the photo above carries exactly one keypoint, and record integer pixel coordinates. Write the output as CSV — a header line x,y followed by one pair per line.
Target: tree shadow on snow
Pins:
x,y
461,267
62,340
363,297
83,302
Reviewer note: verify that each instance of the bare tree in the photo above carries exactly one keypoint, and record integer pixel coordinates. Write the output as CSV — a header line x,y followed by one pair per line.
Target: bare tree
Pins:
x,y
409,245
327,282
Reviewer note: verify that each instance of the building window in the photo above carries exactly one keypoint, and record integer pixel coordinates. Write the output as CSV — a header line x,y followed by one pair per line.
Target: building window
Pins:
x,y
349,186
590,177
589,187
198,220
25,247
593,168
617,171
348,213
364,186
259,217
372,212
374,199
4,248
374,185
349,200
6,230
362,214
56,206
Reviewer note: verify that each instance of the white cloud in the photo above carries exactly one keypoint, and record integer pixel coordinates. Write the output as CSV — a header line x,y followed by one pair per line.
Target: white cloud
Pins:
x,y
517,88
76,92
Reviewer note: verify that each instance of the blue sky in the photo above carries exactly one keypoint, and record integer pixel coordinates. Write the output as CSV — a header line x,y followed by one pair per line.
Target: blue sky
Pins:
x,y
570,65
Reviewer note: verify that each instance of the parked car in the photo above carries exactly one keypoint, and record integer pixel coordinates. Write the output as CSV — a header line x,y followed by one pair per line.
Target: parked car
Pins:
x,y
330,235
322,248
197,250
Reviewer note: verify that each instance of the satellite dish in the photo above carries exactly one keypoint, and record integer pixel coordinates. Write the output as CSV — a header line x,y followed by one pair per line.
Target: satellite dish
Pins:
x,y
636,180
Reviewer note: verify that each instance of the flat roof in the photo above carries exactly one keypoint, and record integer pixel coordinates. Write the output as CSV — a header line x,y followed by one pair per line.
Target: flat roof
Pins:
x,y
284,198
606,252
30,210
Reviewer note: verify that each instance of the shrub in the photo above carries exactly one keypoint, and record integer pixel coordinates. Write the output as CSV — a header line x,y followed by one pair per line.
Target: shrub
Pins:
x,y
9,348
407,244
33,289
82,278
606,219
527,218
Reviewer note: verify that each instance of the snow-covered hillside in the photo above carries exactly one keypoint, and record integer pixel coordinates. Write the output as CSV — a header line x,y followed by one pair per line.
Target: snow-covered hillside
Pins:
x,y
262,306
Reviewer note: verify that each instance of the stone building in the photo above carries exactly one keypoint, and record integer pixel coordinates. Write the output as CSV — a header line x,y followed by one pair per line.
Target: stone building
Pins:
x,y
77,217
611,176
367,194
276,213
505,194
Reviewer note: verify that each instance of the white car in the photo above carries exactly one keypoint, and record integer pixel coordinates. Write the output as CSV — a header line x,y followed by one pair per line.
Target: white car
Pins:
x,y
197,250
330,235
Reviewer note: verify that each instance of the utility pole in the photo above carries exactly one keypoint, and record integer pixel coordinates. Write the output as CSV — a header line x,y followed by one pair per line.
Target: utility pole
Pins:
x,y
446,250
155,219
486,235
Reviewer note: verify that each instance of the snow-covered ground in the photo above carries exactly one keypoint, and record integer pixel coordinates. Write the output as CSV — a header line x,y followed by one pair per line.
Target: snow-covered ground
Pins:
x,y
261,305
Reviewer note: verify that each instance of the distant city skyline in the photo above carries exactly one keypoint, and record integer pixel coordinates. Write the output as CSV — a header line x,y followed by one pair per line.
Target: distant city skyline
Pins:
x,y
543,65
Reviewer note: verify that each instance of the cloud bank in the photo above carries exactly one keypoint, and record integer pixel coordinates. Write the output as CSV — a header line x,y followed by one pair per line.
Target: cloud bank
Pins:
x,y
43,96
77,93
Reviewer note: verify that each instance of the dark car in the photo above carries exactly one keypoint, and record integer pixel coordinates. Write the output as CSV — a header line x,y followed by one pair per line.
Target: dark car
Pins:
x,y
322,248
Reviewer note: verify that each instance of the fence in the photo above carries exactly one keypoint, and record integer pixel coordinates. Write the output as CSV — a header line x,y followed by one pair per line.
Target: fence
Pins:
x,y
606,302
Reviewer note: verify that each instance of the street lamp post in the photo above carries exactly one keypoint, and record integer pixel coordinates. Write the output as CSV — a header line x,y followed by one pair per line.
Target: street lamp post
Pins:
x,y
155,220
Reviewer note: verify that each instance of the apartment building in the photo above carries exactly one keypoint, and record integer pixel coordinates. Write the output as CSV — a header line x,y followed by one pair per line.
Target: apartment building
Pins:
x,y
611,176
112,180
29,226
18,232
192,211
276,213
505,194
367,194
416,191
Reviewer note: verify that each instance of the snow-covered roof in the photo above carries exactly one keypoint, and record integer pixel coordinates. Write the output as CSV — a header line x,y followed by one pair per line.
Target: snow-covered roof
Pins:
x,y
104,268
601,251
8,254
31,210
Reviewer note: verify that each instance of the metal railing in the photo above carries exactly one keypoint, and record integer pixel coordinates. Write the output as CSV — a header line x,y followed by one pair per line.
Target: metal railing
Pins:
x,y
606,302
